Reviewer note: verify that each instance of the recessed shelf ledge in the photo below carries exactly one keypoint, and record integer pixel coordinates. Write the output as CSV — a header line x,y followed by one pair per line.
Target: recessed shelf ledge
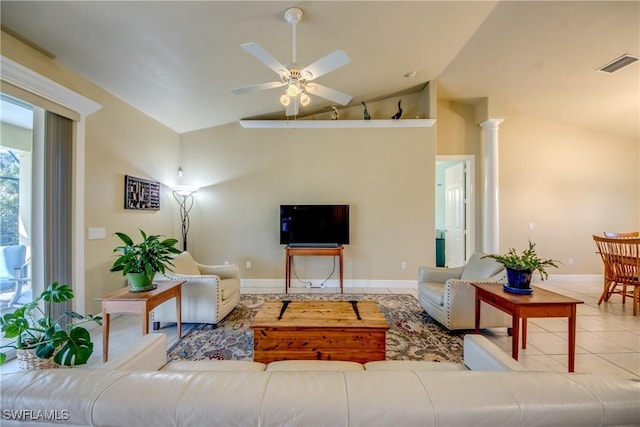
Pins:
x,y
335,124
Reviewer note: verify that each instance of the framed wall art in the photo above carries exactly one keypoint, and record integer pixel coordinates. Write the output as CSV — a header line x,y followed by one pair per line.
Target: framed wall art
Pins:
x,y
141,194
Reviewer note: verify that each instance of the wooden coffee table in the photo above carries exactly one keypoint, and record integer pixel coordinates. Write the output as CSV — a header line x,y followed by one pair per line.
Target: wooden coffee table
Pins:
x,y
319,330
540,303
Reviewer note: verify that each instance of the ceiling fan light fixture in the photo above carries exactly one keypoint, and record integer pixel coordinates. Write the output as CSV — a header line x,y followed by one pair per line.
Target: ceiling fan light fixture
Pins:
x,y
294,80
285,100
293,89
304,99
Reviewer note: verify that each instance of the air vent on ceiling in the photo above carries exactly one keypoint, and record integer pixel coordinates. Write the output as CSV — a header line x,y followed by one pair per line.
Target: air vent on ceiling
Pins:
x,y
618,63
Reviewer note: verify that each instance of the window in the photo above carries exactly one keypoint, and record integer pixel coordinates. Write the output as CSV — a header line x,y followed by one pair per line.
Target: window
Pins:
x,y
16,203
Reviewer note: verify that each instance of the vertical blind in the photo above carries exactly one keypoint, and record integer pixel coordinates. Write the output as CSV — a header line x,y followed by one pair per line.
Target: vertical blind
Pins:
x,y
58,171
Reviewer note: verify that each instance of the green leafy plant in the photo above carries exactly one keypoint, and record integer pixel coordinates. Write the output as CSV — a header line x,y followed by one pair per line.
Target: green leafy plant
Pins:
x,y
32,328
528,260
147,257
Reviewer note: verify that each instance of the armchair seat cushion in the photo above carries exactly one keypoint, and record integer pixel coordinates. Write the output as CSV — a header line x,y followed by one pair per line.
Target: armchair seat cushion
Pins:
x,y
434,292
229,288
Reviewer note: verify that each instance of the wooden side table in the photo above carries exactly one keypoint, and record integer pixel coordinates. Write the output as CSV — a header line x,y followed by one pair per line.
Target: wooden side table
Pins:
x,y
291,252
124,301
540,303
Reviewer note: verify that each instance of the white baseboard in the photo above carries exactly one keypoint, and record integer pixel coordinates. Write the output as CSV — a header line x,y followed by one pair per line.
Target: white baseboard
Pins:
x,y
371,283
575,277
279,283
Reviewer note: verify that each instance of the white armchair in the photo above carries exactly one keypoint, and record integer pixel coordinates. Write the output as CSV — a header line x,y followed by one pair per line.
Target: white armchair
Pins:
x,y
448,296
209,293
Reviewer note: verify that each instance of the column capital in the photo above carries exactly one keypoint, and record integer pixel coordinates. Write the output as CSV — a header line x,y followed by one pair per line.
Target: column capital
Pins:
x,y
491,123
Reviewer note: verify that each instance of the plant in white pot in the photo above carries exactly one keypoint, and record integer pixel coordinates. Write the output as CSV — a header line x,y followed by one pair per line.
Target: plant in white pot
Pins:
x,y
141,261
520,267
41,341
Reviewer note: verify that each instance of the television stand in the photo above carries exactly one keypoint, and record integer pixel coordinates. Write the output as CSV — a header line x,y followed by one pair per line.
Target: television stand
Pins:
x,y
291,251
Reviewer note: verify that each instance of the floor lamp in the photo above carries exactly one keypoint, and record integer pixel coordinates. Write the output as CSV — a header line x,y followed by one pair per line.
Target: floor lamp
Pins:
x,y
184,196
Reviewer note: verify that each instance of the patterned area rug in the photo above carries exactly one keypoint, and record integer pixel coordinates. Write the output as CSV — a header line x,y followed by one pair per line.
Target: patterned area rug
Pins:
x,y
413,335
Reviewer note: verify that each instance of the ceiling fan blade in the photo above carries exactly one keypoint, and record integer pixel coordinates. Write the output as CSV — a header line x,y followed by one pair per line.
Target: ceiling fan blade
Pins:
x,y
254,88
324,65
266,58
328,93
293,108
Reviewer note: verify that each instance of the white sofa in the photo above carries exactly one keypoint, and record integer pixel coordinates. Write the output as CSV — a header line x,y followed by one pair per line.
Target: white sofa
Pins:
x,y
210,293
448,296
138,389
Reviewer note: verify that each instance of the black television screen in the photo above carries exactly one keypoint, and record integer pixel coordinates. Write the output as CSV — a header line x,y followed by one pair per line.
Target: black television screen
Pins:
x,y
314,224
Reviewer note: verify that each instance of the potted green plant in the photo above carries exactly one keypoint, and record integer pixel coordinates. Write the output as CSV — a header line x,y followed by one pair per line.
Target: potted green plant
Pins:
x,y
141,261
40,340
520,267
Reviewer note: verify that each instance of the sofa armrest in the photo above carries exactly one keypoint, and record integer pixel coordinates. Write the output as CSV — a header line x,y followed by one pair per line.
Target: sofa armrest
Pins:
x,y
480,354
231,271
147,354
438,274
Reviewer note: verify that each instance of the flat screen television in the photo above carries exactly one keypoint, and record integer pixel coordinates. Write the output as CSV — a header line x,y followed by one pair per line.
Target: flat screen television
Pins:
x,y
314,225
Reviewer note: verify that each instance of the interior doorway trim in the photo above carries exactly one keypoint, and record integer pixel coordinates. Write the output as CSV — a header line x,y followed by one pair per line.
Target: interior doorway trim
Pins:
x,y
470,208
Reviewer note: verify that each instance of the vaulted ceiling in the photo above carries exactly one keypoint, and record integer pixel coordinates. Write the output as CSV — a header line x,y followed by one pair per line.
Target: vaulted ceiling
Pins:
x,y
178,61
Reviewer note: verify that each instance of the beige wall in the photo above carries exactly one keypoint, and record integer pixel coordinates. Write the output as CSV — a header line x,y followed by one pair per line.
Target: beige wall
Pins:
x,y
119,140
570,183
385,175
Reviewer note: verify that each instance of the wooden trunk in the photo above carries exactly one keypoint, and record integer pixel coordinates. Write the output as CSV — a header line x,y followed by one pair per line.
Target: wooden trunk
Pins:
x,y
319,330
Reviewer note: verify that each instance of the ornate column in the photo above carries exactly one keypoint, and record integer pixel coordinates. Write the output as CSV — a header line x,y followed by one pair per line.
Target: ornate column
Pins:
x,y
490,204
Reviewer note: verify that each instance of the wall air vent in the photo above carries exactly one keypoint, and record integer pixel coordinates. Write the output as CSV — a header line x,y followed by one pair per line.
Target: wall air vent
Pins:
x,y
618,63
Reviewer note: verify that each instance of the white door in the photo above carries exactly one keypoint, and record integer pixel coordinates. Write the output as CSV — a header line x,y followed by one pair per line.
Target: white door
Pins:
x,y
455,215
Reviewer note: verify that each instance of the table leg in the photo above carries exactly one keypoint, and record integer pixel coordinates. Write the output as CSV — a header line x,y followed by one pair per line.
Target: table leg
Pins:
x,y
145,319
105,334
524,332
515,326
341,275
179,310
287,272
477,312
572,338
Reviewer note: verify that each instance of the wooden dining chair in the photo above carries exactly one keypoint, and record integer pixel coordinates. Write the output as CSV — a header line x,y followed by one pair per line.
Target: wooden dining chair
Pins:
x,y
621,260
627,234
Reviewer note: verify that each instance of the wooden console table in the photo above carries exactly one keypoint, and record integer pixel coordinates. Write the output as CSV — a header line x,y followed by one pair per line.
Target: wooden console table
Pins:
x,y
124,301
291,252
540,303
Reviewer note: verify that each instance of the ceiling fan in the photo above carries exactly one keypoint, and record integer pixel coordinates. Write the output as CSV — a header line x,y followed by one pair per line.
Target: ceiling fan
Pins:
x,y
298,81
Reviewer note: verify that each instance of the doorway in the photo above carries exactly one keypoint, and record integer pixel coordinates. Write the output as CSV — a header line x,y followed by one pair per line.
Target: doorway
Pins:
x,y
455,209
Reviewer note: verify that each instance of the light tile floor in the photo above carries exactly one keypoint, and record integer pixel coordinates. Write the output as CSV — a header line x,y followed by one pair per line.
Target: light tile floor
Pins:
x,y
608,336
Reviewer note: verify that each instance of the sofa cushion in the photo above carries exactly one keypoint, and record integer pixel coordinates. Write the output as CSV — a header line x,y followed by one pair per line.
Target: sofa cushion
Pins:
x,y
433,292
478,268
214,365
314,365
413,365
184,264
